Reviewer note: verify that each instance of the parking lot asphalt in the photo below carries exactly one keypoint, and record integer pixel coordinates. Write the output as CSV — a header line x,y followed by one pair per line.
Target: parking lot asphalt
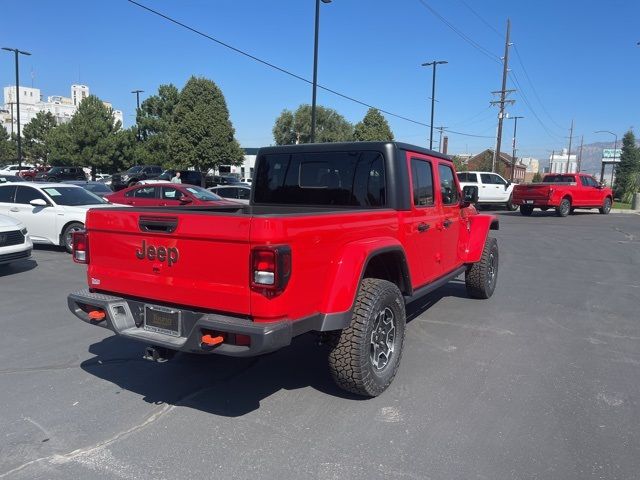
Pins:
x,y
541,381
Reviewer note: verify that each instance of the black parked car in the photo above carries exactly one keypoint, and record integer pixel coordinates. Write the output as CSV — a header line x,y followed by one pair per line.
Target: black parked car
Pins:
x,y
227,180
97,188
134,175
188,177
59,174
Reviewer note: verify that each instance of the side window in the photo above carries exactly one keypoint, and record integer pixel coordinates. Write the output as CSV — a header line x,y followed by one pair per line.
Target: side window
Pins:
x,y
486,178
231,192
7,193
422,183
169,193
592,182
145,192
585,181
498,180
25,194
472,177
243,193
448,187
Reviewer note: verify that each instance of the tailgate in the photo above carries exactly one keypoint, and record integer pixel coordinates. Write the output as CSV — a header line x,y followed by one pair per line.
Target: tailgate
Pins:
x,y
198,259
531,192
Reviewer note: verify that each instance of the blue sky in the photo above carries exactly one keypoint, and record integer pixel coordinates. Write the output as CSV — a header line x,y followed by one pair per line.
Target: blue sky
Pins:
x,y
580,56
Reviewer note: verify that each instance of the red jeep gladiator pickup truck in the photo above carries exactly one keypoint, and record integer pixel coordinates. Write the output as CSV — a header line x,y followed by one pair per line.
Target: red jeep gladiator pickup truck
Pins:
x,y
336,239
565,192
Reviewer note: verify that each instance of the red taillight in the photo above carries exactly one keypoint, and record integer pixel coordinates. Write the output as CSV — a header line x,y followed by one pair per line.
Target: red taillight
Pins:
x,y
270,269
80,247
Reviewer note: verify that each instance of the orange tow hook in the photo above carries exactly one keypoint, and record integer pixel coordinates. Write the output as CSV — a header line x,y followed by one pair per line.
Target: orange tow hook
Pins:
x,y
211,341
96,315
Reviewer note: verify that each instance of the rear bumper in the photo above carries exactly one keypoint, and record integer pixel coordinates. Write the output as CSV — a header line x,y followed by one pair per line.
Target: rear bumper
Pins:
x,y
125,317
534,202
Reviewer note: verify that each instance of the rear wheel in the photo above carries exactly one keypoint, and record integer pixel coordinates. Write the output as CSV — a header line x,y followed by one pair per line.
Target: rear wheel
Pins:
x,y
564,208
51,179
526,210
365,356
512,207
66,239
481,277
606,206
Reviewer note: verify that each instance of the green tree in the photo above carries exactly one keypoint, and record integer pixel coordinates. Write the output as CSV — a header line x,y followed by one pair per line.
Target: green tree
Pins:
x,y
36,134
373,128
537,177
291,128
89,139
460,164
201,134
628,170
8,149
154,120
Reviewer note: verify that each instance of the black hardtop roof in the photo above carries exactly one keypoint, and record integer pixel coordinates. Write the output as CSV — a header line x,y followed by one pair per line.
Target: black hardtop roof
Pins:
x,y
348,146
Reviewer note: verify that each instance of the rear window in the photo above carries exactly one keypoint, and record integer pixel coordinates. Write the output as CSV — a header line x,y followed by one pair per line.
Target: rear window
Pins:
x,y
467,177
559,179
347,179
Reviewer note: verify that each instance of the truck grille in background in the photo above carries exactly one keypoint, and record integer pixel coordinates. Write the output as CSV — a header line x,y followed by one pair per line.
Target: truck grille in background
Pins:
x,y
11,238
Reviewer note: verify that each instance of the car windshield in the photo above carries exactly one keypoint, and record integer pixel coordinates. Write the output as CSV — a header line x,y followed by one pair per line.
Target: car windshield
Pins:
x,y
73,196
97,187
202,194
134,169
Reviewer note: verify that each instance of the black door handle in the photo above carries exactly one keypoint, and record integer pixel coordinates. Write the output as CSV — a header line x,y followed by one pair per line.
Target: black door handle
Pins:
x,y
423,227
447,223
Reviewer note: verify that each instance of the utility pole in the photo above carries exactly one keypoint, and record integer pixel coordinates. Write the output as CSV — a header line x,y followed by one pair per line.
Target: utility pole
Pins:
x,y
435,63
513,156
137,93
315,71
569,152
553,153
503,93
11,105
17,53
440,141
580,154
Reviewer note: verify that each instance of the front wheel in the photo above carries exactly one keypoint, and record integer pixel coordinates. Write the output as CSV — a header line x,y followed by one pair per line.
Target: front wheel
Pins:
x,y
564,208
481,277
512,207
606,206
67,235
365,357
526,210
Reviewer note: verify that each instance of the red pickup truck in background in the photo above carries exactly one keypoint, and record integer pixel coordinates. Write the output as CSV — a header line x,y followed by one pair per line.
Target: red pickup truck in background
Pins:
x,y
336,239
565,192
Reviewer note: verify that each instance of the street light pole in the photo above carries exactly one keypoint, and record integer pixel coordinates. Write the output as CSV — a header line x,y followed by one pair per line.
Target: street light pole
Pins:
x,y
137,92
513,156
315,71
435,63
18,52
615,147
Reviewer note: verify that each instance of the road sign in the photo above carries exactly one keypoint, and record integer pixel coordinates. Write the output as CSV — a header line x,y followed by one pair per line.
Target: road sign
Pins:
x,y
610,155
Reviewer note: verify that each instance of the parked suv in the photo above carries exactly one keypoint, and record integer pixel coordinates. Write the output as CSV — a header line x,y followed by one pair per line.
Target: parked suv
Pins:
x,y
58,174
134,175
188,177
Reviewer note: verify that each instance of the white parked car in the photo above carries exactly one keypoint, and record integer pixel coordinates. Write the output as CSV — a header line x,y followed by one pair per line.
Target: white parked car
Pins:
x,y
492,188
14,169
50,211
15,243
240,193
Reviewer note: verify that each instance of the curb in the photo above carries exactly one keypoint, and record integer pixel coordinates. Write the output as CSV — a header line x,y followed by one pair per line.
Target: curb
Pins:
x,y
625,210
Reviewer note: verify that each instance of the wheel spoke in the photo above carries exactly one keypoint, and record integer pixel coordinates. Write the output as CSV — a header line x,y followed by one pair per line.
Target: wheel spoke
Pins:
x,y
382,338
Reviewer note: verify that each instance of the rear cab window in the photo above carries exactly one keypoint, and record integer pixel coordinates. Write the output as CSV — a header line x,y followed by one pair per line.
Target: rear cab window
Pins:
x,y
343,179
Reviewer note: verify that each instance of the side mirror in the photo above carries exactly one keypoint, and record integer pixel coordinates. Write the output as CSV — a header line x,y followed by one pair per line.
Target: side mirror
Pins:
x,y
600,186
469,195
38,202
185,200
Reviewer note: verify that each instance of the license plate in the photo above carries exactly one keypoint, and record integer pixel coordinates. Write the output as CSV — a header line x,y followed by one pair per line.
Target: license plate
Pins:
x,y
162,320
528,201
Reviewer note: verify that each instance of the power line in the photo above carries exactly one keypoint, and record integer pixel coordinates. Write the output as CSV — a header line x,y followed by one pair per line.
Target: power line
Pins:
x,y
535,92
288,72
481,19
467,39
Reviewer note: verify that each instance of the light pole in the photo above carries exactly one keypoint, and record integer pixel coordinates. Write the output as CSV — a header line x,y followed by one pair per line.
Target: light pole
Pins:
x,y
435,63
137,93
513,156
18,52
615,148
315,71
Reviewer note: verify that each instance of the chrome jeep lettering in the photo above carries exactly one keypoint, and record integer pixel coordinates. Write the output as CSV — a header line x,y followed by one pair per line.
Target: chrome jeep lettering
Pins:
x,y
161,254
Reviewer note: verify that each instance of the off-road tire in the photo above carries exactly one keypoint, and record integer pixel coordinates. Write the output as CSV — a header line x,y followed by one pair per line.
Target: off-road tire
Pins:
x,y
526,210
564,208
606,206
68,230
512,207
351,359
481,277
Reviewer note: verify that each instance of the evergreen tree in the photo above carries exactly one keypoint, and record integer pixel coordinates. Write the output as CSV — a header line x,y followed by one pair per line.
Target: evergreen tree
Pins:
x,y
153,121
201,134
291,128
373,128
8,148
537,177
36,134
628,170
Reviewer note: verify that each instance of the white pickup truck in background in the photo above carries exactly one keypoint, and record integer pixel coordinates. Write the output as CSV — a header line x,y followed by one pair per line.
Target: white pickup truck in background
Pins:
x,y
492,188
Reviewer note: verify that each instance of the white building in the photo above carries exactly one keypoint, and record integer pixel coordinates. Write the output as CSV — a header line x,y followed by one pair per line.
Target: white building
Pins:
x,y
245,170
562,163
533,164
31,102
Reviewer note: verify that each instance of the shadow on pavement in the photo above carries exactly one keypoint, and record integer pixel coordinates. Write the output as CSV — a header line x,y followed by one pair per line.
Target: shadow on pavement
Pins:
x,y
15,268
223,385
